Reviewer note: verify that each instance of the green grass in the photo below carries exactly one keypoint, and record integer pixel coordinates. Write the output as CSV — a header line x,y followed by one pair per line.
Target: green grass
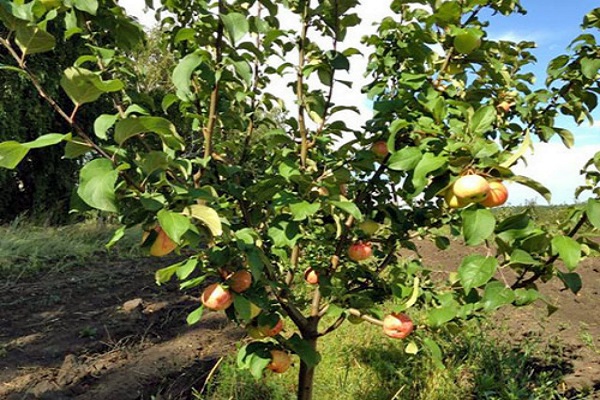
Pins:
x,y
26,248
361,363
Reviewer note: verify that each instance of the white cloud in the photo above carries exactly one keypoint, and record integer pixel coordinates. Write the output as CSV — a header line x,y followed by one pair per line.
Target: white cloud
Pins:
x,y
557,168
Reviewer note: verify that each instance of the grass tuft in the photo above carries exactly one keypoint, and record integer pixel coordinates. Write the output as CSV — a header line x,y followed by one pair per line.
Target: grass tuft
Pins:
x,y
26,249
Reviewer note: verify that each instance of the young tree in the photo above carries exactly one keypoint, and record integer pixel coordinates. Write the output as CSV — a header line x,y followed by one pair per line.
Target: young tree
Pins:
x,y
261,198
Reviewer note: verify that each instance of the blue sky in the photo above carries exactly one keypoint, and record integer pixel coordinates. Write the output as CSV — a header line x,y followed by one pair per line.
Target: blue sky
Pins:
x,y
552,24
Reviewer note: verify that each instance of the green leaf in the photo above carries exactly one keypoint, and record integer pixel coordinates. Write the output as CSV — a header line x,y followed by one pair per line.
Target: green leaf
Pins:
x,y
522,257
406,159
32,40
186,268
11,154
496,295
568,249
76,148
236,26
435,351
182,75
303,210
439,316
195,315
304,350
88,6
132,126
83,86
49,139
483,120
284,233
413,297
525,297
118,235
428,164
589,67
592,210
97,181
526,145
207,216
165,274
571,280
476,270
477,225
243,307
102,124
174,224
530,183
348,207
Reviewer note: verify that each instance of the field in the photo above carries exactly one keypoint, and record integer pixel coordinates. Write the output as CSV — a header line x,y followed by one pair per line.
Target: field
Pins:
x,y
79,322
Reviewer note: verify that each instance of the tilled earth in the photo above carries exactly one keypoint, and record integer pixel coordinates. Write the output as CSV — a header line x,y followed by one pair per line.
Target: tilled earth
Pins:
x,y
106,331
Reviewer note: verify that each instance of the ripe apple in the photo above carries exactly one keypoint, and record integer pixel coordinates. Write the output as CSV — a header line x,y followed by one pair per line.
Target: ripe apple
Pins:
x,y
368,226
269,331
397,325
217,298
497,196
240,281
311,276
162,245
453,201
280,361
360,251
380,149
471,188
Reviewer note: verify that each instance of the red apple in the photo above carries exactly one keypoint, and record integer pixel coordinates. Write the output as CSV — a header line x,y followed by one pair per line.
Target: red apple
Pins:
x,y
380,149
240,281
272,331
217,298
280,361
360,251
497,196
397,325
471,188
311,276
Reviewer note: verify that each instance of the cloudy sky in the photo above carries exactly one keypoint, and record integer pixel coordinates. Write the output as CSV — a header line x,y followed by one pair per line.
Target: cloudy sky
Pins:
x,y
552,24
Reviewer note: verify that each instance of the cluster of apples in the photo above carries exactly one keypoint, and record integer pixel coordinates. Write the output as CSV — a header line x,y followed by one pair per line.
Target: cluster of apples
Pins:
x,y
219,297
476,189
395,325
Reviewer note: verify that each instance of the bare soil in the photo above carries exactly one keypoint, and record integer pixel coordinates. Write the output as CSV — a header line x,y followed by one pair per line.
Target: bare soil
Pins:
x,y
106,331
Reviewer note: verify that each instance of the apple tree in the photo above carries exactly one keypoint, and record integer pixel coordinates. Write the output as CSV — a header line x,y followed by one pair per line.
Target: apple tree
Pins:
x,y
289,219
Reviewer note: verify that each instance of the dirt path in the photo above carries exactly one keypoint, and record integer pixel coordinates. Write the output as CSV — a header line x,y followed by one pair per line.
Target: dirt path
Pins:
x,y
106,331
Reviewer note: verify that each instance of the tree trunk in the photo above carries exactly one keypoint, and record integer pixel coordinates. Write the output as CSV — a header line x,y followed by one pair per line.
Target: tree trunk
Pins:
x,y
306,376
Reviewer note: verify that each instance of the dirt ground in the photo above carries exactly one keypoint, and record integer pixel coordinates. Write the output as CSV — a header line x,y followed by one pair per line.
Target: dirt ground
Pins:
x,y
107,331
